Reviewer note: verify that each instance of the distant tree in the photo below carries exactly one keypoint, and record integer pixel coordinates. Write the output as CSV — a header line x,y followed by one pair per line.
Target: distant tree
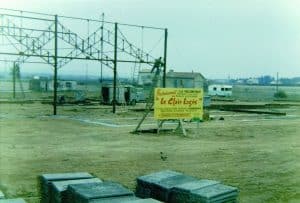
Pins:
x,y
280,94
286,81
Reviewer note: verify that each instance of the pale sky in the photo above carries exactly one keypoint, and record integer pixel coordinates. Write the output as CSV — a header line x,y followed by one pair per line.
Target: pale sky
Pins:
x,y
219,38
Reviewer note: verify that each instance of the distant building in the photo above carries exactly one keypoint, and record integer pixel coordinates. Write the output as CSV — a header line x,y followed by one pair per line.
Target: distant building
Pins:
x,y
38,83
145,77
275,82
252,81
185,80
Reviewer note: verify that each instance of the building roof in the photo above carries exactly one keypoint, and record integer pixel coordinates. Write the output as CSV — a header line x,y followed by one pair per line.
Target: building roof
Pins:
x,y
172,74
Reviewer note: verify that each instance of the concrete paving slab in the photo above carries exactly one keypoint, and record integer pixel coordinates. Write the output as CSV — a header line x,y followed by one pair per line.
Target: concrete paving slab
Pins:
x,y
58,189
46,179
145,184
88,192
148,200
159,185
182,192
17,200
125,199
214,193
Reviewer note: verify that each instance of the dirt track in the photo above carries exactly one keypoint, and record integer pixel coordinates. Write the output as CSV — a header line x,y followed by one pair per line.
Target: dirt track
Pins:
x,y
258,154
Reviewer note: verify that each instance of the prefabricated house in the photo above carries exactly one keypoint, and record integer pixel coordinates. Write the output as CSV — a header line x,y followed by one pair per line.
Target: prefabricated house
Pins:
x,y
63,85
220,90
185,80
125,94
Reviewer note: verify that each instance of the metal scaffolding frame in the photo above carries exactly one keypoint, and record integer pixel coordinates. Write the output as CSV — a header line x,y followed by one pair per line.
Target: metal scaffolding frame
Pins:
x,y
90,48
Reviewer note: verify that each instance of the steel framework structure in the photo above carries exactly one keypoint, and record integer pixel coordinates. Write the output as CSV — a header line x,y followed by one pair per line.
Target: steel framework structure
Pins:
x,y
29,41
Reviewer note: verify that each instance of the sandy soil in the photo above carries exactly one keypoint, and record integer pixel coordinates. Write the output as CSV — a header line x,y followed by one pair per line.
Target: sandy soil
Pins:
x,y
259,154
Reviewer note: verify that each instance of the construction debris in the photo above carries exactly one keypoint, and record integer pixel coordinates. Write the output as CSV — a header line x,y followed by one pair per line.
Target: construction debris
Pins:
x,y
256,111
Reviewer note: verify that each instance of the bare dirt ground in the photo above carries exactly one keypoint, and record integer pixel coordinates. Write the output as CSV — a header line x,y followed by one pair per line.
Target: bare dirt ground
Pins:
x,y
259,154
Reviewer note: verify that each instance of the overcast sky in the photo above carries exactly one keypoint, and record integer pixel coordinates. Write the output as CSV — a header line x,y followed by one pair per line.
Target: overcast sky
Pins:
x,y
219,38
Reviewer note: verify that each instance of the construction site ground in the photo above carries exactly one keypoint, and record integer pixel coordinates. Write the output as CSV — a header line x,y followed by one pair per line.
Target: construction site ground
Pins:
x,y
257,153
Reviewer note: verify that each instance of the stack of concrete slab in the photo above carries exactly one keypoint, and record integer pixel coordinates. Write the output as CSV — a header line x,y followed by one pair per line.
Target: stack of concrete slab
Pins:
x,y
18,200
106,192
46,179
174,187
159,185
58,189
206,191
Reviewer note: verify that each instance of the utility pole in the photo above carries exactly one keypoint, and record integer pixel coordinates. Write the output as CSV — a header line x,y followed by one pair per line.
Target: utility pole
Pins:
x,y
55,68
165,58
115,69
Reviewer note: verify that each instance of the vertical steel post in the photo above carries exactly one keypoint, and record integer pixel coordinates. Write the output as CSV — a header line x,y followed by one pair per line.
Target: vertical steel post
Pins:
x,y
102,28
115,69
14,80
277,83
55,69
165,58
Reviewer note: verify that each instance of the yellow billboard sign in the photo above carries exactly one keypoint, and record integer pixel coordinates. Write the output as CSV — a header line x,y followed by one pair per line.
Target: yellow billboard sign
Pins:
x,y
178,103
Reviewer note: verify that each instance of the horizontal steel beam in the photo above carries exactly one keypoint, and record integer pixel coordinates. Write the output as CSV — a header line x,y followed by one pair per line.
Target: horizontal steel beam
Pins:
x,y
78,58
